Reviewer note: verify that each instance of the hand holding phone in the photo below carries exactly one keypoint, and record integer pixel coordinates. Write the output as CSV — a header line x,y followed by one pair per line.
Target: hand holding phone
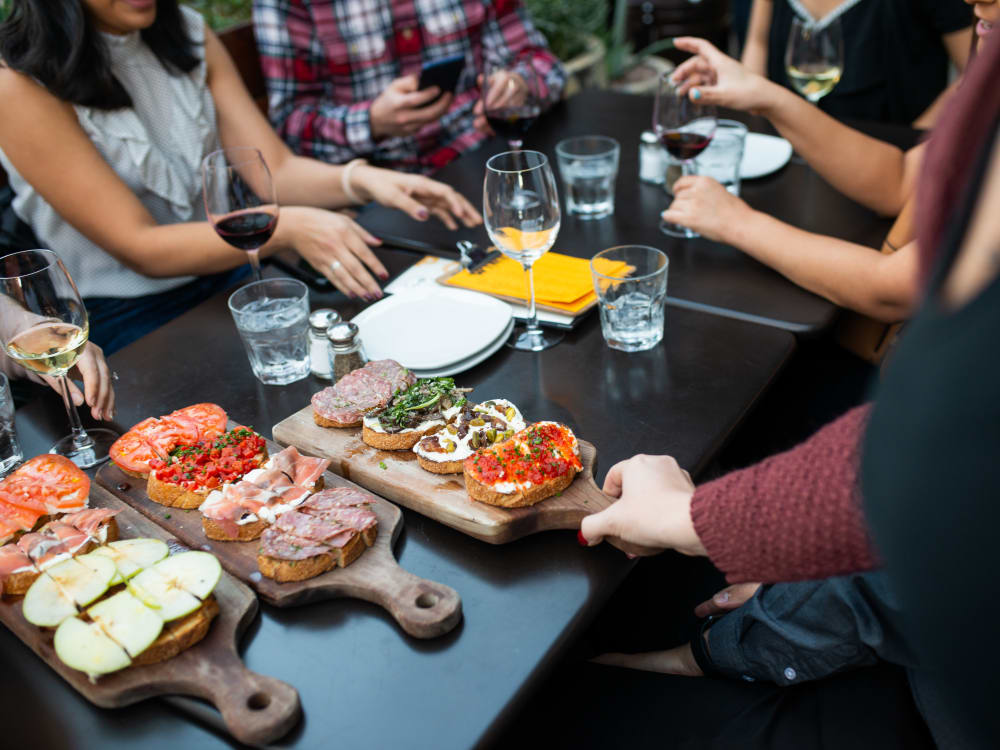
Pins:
x,y
403,109
443,73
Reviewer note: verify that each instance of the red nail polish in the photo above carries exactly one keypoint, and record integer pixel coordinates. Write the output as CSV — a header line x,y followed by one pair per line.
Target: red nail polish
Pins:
x,y
581,539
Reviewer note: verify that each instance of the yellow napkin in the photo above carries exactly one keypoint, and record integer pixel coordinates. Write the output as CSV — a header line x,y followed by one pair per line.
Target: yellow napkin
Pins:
x,y
561,281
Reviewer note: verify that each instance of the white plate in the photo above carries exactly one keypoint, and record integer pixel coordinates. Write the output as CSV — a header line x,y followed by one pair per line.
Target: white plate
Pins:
x,y
468,364
763,154
431,328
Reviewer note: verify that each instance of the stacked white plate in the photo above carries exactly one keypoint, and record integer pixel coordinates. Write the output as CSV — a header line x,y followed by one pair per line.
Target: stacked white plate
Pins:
x,y
763,154
435,331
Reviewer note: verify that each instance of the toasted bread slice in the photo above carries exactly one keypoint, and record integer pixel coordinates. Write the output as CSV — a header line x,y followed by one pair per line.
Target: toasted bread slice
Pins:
x,y
396,441
441,467
324,422
17,584
520,498
299,570
180,634
136,474
247,531
173,495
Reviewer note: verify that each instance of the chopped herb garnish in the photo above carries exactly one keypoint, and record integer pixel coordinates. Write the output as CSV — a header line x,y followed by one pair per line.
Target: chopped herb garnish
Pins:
x,y
166,515
381,465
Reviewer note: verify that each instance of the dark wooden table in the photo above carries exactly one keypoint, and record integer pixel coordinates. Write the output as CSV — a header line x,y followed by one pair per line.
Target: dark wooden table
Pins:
x,y
362,681
703,275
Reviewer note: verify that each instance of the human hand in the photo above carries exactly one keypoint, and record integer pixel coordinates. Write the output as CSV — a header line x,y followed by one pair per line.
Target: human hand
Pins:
x,y
335,246
730,598
506,89
93,370
712,77
653,511
415,195
679,660
402,109
704,205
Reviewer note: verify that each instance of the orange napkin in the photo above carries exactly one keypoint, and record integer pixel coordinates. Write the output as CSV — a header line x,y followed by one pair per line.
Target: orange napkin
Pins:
x,y
561,281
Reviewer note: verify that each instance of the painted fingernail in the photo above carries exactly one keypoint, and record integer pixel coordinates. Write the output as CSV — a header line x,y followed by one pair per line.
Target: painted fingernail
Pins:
x,y
722,597
423,213
383,276
696,94
581,539
630,556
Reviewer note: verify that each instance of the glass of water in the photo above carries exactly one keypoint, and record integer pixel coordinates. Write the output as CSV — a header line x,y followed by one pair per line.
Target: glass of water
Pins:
x,y
632,299
588,165
272,317
721,160
10,449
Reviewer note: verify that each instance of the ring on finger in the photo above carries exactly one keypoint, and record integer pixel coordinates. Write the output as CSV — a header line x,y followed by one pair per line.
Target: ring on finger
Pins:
x,y
336,265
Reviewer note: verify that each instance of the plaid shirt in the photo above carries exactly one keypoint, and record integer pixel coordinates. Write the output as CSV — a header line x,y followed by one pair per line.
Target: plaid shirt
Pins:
x,y
326,60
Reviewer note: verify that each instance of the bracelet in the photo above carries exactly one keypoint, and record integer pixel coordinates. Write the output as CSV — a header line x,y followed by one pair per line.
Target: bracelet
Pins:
x,y
345,180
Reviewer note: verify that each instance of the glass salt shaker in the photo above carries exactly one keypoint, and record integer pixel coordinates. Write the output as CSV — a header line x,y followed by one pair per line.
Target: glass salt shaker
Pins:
x,y
652,158
346,353
319,358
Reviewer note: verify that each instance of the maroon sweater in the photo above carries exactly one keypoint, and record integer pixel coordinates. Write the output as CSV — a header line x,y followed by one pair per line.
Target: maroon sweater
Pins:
x,y
793,516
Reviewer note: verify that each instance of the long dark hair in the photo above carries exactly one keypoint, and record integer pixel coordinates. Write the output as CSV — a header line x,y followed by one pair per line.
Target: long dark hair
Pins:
x,y
56,43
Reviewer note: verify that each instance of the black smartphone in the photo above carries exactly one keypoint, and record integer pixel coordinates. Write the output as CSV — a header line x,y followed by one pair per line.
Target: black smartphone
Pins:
x,y
443,73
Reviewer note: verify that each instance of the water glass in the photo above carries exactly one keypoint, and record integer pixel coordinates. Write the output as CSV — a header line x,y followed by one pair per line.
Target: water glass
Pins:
x,y
632,300
589,167
721,160
272,317
10,449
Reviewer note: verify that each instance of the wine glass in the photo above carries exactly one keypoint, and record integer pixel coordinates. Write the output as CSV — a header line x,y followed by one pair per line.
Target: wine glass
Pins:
x,y
521,211
511,97
685,128
814,57
240,200
45,330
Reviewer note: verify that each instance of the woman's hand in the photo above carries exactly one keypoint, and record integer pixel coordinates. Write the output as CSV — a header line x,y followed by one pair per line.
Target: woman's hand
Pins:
x,y
653,511
93,370
334,245
704,205
415,195
730,598
714,78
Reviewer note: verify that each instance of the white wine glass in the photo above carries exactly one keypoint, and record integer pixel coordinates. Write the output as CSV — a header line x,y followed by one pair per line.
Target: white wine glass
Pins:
x,y
240,200
45,330
814,57
521,212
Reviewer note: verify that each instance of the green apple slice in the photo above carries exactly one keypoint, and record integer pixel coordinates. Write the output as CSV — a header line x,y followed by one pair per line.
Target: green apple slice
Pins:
x,y
195,572
133,555
86,647
45,604
83,583
172,599
128,622
96,563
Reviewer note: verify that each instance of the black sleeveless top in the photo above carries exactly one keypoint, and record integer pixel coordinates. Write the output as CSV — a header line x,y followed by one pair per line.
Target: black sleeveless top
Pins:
x,y
931,481
895,64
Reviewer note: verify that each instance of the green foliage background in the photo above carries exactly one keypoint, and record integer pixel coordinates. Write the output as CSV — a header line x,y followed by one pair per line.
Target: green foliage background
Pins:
x,y
218,13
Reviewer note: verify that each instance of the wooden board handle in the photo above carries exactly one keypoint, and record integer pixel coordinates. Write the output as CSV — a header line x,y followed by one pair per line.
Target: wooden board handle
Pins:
x,y
255,708
424,609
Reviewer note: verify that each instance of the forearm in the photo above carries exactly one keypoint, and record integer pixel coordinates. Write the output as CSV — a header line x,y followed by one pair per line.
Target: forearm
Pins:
x,y
870,171
849,275
302,181
187,249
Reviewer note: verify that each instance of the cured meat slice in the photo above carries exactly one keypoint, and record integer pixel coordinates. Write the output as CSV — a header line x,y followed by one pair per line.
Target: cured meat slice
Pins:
x,y
71,537
249,496
275,543
361,391
89,521
303,470
359,519
52,480
337,497
225,509
210,418
12,559
314,528
42,548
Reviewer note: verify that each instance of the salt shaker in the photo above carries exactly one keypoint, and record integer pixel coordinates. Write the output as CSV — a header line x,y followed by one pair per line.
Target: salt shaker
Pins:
x,y
346,353
319,356
652,158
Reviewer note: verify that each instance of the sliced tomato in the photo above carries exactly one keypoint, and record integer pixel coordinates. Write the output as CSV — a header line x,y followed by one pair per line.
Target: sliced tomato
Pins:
x,y
15,516
54,480
169,433
132,452
211,418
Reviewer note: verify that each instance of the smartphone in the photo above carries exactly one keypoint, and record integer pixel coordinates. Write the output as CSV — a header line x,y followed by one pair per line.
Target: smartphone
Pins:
x,y
443,73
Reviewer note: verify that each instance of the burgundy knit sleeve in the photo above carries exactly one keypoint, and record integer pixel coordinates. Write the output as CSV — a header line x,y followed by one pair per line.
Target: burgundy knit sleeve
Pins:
x,y
793,516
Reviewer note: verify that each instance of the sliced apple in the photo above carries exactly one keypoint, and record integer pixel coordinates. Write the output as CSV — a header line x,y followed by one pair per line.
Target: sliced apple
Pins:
x,y
129,622
86,647
96,563
173,600
83,583
195,572
132,555
46,604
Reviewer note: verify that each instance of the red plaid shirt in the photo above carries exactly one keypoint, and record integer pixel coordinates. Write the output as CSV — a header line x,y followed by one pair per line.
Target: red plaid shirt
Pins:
x,y
326,60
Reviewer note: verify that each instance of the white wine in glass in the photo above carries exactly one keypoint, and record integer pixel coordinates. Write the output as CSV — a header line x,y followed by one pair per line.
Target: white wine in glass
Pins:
x,y
521,212
814,58
45,330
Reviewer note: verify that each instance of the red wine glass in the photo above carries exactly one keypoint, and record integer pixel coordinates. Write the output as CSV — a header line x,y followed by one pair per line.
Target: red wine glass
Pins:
x,y
511,95
685,128
240,200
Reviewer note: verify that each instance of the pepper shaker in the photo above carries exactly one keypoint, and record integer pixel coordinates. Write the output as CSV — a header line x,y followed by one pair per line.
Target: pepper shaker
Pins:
x,y
319,356
346,353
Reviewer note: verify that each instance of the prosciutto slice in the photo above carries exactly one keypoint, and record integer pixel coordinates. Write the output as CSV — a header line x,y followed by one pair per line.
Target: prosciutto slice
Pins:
x,y
299,469
12,559
90,520
42,548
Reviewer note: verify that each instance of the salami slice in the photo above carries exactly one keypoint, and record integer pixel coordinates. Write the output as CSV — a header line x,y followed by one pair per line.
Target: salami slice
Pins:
x,y
361,391
314,528
337,497
275,543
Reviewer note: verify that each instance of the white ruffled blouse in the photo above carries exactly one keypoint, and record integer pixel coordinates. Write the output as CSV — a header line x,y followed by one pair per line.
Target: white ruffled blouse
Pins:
x,y
156,148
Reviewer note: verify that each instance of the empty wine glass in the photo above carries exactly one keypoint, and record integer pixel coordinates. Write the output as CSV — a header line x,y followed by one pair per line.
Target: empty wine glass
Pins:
x,y
240,200
511,96
814,57
45,330
685,128
521,212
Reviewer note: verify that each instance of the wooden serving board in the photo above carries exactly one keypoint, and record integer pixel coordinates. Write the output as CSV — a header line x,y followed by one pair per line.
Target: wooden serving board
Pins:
x,y
424,609
442,497
256,709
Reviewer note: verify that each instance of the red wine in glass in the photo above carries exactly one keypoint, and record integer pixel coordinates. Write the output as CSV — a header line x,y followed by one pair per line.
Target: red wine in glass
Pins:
x,y
240,200
511,99
512,123
684,145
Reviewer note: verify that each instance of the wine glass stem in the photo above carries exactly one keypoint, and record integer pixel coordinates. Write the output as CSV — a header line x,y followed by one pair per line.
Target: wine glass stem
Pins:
x,y
255,263
81,440
532,324
515,144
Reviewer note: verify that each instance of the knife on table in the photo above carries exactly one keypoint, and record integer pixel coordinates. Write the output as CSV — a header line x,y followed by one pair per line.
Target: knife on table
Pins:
x,y
470,255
